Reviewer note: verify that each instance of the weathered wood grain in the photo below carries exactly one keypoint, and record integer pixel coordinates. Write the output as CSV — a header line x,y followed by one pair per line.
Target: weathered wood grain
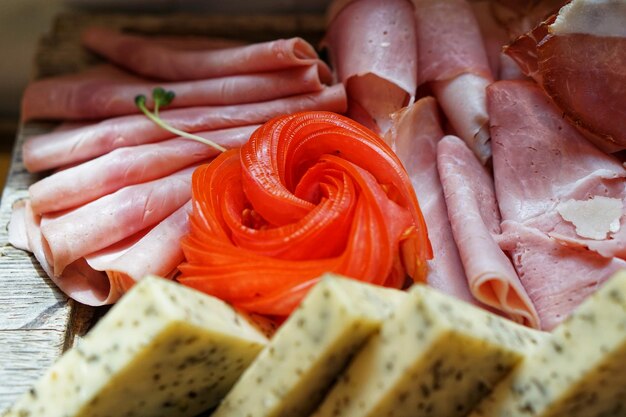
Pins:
x,y
38,322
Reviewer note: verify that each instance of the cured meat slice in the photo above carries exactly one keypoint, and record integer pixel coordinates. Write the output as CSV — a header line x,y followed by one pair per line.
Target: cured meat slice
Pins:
x,y
121,167
475,221
156,251
558,278
57,149
173,61
414,136
545,169
367,41
105,91
579,58
452,56
541,162
71,235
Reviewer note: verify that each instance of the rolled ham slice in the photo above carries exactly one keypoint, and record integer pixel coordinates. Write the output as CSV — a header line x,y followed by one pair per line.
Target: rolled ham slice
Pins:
x,y
367,40
71,235
579,58
475,221
57,149
543,169
105,91
414,136
121,167
451,56
160,60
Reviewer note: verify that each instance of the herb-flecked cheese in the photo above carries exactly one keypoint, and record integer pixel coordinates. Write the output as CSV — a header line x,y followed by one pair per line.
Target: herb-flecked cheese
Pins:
x,y
436,356
163,350
291,375
580,372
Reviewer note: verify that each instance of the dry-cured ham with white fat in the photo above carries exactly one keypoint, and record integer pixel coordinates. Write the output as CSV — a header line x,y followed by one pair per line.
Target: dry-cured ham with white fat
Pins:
x,y
105,91
558,193
72,235
373,50
451,56
475,221
57,149
171,61
121,167
579,58
414,136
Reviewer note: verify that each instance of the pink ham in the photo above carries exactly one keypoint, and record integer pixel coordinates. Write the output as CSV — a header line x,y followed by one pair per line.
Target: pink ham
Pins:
x,y
105,91
72,235
156,251
175,62
102,277
121,167
475,220
368,40
62,148
583,73
541,161
558,278
452,57
414,136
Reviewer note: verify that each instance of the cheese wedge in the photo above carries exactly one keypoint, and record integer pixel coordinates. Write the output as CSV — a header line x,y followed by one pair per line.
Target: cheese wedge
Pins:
x,y
163,350
580,372
291,375
437,356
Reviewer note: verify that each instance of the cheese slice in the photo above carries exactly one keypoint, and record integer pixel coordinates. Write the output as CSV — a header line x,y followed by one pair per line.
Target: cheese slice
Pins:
x,y
163,350
291,375
437,356
580,372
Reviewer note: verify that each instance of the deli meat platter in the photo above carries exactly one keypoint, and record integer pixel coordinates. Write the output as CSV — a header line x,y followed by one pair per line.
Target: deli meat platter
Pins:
x,y
398,208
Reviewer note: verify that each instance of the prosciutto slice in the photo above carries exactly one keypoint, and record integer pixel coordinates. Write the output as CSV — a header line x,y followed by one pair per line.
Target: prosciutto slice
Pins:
x,y
541,162
414,136
57,149
579,58
71,235
105,91
156,59
475,220
367,40
452,57
121,167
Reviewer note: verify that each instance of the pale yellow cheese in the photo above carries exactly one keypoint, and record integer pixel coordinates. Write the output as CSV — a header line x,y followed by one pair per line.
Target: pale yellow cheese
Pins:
x,y
436,356
580,372
163,350
293,372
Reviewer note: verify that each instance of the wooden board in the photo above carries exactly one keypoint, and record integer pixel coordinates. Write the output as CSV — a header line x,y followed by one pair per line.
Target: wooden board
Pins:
x,y
38,322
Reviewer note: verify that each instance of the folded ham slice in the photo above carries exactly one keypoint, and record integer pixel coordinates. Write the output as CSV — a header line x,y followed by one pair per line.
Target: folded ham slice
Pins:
x,y
105,91
414,136
579,58
475,220
71,235
155,251
556,184
156,59
367,40
451,55
57,149
102,277
121,167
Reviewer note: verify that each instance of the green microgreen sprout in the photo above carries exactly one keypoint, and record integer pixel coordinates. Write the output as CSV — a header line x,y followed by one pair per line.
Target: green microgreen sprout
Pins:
x,y
163,98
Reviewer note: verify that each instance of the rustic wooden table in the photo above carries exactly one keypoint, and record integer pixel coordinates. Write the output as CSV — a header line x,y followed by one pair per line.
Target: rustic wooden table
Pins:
x,y
37,321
